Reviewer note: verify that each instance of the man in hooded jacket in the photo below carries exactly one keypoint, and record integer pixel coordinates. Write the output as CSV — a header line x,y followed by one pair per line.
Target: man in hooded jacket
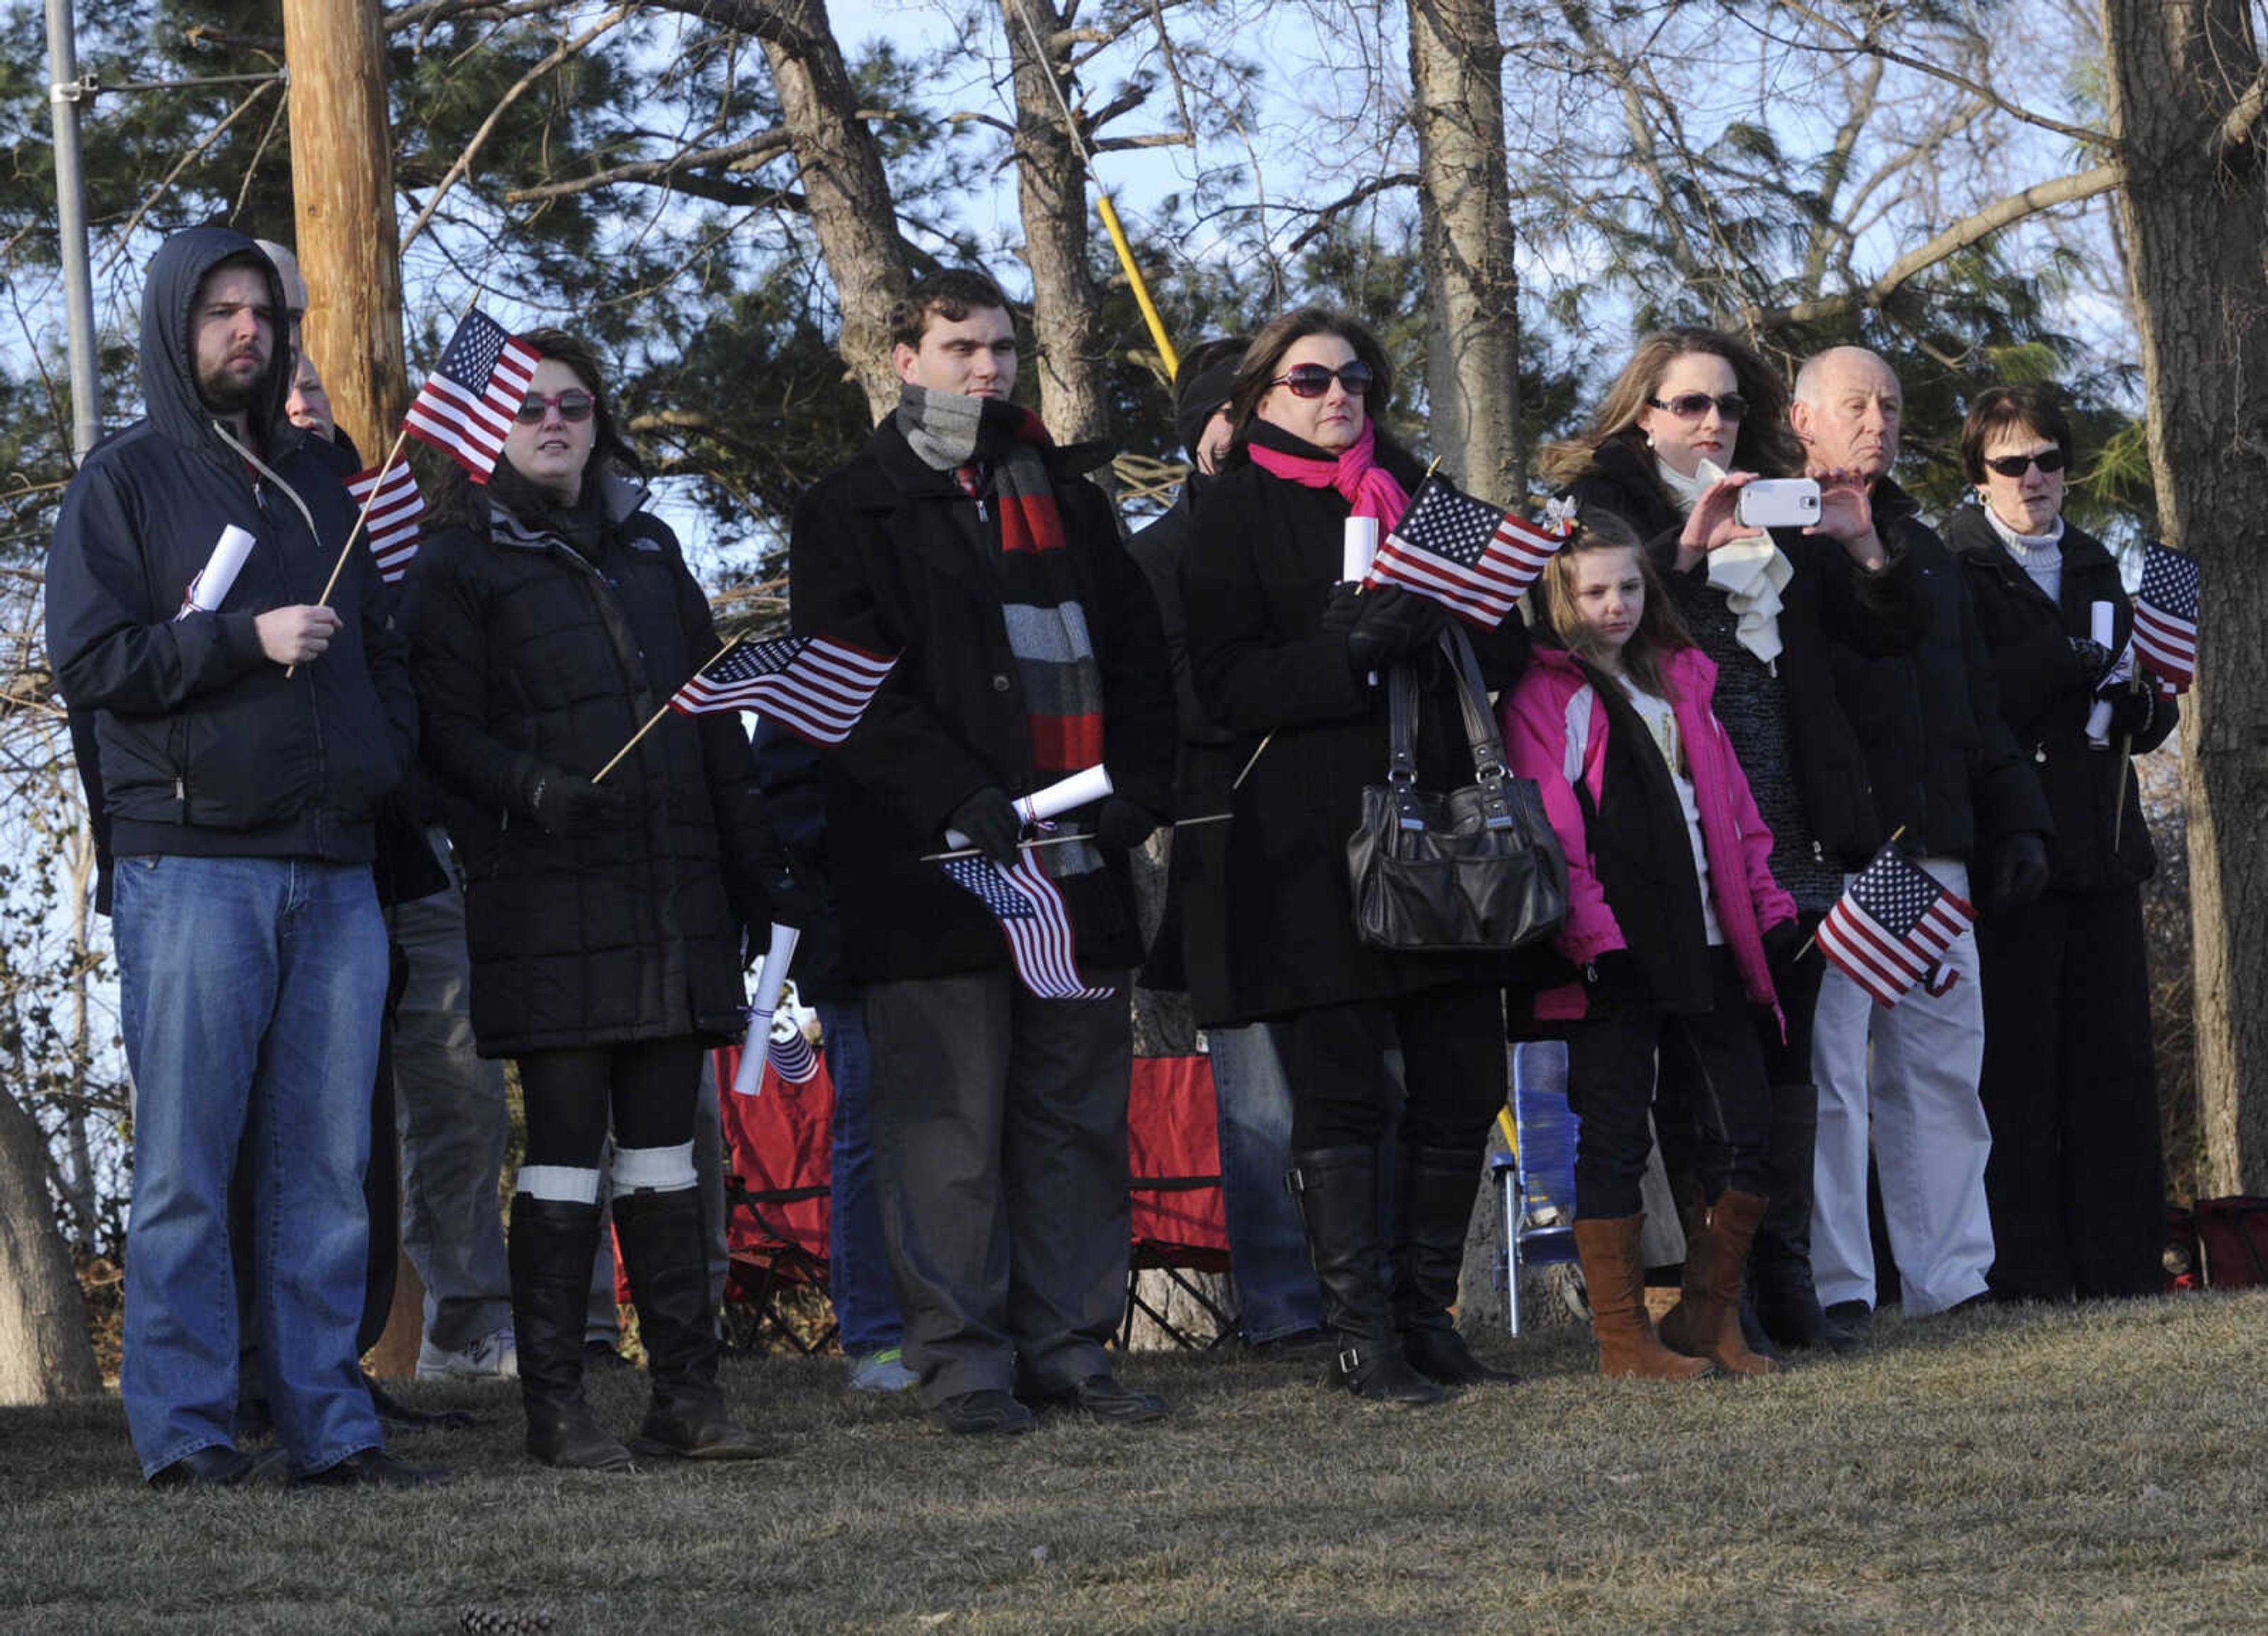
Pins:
x,y
243,752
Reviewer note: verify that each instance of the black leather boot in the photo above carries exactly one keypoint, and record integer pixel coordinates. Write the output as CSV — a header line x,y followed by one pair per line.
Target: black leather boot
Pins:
x,y
1337,1190
1432,1208
1779,1267
667,1255
550,1251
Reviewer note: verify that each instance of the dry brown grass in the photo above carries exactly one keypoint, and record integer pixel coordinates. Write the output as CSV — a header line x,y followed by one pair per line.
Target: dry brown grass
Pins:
x,y
2095,1470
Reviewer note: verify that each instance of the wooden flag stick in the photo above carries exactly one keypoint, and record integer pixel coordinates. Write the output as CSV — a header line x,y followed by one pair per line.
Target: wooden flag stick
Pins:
x,y
1063,840
659,714
361,521
1247,773
1814,937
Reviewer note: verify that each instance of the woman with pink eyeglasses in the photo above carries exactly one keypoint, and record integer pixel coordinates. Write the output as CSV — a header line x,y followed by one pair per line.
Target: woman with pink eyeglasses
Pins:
x,y
1292,659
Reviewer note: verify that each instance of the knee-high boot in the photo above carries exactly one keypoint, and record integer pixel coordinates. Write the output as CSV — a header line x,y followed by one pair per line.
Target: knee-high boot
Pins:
x,y
1613,1273
1432,1208
552,1245
667,1255
1706,1322
1779,1266
1337,1189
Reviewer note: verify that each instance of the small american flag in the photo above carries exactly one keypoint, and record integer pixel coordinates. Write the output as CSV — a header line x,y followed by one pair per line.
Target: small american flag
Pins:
x,y
793,1059
1033,918
391,526
1473,558
815,686
466,407
2166,616
1892,925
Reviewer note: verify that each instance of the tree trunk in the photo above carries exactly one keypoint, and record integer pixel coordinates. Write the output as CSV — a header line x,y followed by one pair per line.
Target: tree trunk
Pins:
x,y
2184,85
45,1355
1472,310
851,209
1051,192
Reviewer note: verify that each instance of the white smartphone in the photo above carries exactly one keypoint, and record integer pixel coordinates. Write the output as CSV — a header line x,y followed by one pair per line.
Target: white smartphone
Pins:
x,y
1779,503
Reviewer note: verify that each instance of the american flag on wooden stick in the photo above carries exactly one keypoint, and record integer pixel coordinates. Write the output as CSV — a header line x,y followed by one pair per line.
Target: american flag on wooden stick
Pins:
x,y
391,526
1033,918
2166,616
815,686
1473,558
466,407
1892,925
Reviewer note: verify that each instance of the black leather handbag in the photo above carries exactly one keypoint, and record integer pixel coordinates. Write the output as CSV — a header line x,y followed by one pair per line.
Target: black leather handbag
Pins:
x,y
1465,871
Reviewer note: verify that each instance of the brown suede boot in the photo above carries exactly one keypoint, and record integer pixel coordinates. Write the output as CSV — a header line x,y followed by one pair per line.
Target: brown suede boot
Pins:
x,y
1615,1274
1706,1322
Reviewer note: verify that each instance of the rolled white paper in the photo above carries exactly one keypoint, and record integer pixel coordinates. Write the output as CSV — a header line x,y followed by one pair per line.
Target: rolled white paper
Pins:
x,y
771,978
1081,789
210,588
2102,620
1359,548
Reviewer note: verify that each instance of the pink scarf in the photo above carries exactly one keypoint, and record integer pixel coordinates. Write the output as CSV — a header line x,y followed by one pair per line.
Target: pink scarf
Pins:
x,y
1366,485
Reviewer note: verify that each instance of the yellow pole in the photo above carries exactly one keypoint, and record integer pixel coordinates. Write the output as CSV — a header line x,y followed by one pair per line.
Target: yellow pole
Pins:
x,y
1166,353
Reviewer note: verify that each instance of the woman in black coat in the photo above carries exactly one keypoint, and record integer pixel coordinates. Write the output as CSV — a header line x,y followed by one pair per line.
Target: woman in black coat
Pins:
x,y
2075,1182
550,618
1282,654
1691,395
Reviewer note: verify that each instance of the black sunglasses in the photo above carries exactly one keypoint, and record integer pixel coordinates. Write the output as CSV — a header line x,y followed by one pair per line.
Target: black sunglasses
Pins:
x,y
572,406
1694,405
1312,380
2016,465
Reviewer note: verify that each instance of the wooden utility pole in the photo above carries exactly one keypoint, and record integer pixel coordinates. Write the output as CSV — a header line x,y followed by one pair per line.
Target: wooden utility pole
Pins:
x,y
342,210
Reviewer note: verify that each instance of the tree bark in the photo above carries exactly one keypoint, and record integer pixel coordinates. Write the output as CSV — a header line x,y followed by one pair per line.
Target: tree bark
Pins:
x,y
1051,192
45,1355
2183,108
1472,307
840,165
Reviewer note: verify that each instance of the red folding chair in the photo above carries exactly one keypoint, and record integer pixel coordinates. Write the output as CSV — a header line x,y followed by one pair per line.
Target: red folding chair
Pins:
x,y
1181,1226
777,1149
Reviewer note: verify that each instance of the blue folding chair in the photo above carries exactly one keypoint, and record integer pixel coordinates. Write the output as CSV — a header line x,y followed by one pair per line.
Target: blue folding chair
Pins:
x,y
1537,1174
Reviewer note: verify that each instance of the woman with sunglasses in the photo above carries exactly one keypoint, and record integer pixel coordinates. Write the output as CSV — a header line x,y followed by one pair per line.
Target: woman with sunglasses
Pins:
x,y
1291,659
550,616
2075,1181
1764,608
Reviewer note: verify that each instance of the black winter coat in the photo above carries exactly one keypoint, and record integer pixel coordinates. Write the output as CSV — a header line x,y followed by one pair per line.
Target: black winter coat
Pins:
x,y
2046,694
1941,761
1255,587
531,661
204,745
890,554
1830,601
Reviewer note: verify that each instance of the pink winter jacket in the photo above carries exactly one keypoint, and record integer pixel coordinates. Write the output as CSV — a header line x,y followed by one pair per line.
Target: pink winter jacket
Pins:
x,y
1541,735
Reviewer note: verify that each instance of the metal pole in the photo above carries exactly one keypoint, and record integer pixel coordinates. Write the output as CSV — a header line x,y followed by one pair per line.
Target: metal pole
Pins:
x,y
63,94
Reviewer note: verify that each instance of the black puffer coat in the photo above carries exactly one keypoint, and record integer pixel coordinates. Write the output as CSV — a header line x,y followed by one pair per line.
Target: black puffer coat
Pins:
x,y
530,661
2046,693
1255,585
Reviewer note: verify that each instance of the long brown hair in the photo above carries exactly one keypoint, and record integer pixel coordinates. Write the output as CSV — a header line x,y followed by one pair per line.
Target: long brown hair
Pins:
x,y
1660,632
1265,354
1764,444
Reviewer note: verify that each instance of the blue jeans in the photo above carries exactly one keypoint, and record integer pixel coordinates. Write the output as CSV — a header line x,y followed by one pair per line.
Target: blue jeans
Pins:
x,y
1267,1250
250,991
858,1262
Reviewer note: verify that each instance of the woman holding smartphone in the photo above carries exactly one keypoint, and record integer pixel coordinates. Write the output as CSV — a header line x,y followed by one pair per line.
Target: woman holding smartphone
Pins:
x,y
1693,418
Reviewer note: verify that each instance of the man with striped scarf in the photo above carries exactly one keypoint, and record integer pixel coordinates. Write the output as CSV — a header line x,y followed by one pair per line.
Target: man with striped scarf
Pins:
x,y
964,540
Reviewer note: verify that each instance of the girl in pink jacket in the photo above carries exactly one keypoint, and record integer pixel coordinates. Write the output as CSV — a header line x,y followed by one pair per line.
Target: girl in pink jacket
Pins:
x,y
1671,907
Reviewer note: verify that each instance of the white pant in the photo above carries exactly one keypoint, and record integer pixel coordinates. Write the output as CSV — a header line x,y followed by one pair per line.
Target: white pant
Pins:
x,y
1929,1137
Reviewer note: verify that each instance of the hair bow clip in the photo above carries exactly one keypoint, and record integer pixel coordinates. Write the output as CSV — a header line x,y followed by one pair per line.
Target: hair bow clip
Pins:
x,y
1559,514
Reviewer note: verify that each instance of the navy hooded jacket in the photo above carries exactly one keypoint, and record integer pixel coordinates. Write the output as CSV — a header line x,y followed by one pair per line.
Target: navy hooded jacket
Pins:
x,y
206,745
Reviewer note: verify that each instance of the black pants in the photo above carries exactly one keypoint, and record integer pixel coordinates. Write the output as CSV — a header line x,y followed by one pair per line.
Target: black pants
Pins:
x,y
649,1087
1452,1070
2076,1182
1610,1079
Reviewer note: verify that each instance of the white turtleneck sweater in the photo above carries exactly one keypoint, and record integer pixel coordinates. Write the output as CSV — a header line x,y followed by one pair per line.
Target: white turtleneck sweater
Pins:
x,y
2039,555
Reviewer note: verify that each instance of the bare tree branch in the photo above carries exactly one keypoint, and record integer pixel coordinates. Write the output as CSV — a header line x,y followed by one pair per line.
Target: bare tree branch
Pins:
x,y
1327,214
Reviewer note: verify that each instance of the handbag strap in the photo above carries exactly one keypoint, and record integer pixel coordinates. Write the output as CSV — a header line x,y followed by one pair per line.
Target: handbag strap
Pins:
x,y
1482,737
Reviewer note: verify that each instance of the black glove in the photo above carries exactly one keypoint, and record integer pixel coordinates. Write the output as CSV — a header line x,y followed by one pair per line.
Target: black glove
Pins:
x,y
2095,660
1393,623
2020,870
2132,710
1123,825
571,806
1616,977
989,819
1344,607
1782,939
793,902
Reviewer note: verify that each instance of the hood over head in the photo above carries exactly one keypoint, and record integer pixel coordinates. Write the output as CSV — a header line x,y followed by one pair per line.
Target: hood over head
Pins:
x,y
169,371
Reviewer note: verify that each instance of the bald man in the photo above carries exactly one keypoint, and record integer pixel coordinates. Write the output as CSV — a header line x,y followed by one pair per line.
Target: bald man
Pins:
x,y
1945,776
